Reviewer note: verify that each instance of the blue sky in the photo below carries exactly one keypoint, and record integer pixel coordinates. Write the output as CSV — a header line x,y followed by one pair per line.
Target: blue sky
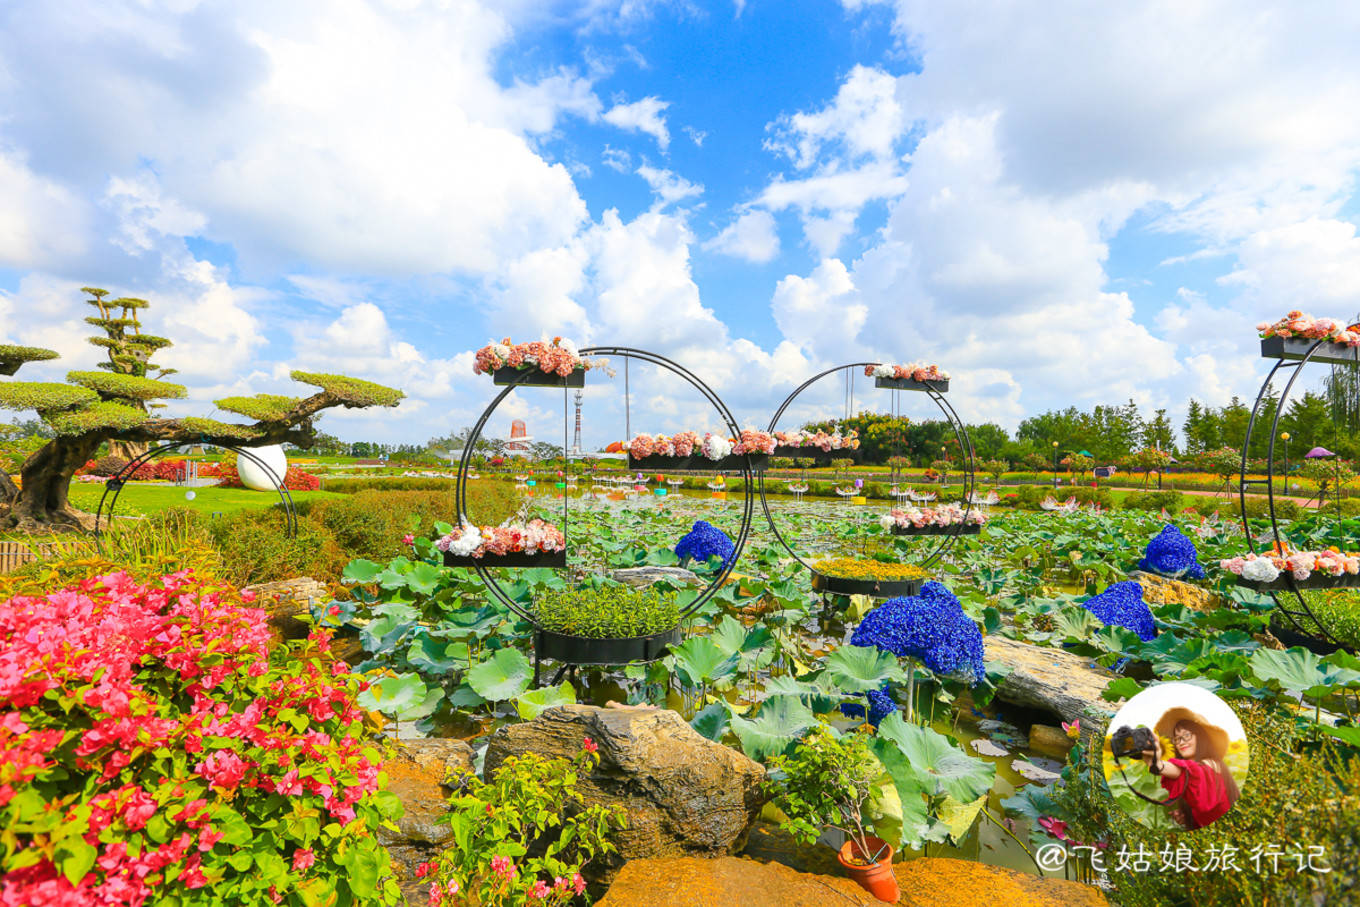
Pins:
x,y
1060,204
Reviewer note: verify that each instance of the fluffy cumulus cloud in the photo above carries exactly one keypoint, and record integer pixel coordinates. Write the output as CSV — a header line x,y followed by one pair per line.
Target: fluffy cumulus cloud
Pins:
x,y
642,116
1035,144
752,236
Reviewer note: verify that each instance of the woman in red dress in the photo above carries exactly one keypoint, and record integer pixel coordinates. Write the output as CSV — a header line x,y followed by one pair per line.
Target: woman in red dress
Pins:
x,y
1197,779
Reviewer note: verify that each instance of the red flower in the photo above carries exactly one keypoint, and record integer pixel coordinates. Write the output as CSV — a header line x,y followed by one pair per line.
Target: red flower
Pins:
x,y
303,860
590,746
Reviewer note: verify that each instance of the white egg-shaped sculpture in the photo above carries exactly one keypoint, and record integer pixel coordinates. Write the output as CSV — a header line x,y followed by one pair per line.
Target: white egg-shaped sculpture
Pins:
x,y
252,471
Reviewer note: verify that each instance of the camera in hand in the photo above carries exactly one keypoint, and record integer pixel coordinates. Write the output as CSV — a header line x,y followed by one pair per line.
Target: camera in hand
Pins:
x,y
1132,741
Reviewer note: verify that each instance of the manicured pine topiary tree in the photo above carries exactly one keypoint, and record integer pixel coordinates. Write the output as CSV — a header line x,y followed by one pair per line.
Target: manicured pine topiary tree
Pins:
x,y
116,404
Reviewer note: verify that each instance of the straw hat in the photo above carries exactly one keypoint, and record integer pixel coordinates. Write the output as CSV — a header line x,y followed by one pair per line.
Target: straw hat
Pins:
x,y
1212,743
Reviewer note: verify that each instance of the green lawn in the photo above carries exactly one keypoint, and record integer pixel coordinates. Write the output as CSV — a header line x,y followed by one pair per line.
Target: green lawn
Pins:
x,y
138,498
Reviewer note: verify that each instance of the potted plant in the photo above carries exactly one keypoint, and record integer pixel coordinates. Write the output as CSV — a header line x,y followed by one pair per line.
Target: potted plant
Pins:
x,y
609,623
827,783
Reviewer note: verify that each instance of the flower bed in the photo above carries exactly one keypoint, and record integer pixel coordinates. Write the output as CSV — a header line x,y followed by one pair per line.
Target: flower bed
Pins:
x,y
555,364
537,543
151,753
946,519
915,376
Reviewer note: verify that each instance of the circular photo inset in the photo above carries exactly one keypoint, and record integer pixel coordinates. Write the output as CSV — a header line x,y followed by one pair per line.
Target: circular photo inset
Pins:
x,y
1175,757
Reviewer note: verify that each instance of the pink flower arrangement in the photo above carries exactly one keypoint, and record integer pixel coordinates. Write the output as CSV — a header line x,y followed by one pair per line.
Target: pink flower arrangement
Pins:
x,y
939,516
1297,324
559,357
821,440
916,371
144,729
686,443
1267,568
530,538
753,441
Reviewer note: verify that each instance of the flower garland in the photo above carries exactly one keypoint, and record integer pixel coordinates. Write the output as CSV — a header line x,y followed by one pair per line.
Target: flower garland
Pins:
x,y
943,515
820,439
1266,568
916,371
1297,324
534,537
710,446
559,357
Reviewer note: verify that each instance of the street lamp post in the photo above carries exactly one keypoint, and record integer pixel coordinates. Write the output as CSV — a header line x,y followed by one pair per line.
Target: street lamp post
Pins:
x,y
1055,465
944,468
1284,436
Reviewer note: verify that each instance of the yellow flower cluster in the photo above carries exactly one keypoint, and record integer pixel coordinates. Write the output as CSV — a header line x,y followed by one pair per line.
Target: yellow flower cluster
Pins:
x,y
852,568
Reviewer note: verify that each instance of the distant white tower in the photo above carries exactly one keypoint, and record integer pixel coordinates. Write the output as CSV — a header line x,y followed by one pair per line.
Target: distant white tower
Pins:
x,y
576,439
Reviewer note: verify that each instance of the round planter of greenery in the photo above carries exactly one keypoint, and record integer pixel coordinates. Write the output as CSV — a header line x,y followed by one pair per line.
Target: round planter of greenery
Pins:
x,y
606,625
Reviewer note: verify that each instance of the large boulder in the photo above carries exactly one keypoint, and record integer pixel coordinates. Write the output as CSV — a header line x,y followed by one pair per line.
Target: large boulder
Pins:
x,y
1163,590
421,773
925,882
1065,685
684,795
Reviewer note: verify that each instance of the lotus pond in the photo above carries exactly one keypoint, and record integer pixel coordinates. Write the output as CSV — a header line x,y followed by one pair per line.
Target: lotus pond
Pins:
x,y
767,658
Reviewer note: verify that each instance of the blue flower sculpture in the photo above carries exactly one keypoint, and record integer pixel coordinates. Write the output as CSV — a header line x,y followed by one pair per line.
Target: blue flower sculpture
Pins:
x,y
931,627
1122,605
1171,553
704,541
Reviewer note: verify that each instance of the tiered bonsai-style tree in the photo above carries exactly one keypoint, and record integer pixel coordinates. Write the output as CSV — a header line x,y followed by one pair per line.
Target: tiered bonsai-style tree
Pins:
x,y
115,405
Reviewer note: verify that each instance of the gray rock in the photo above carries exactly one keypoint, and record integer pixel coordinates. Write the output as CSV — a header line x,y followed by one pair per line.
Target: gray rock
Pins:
x,y
1058,682
641,577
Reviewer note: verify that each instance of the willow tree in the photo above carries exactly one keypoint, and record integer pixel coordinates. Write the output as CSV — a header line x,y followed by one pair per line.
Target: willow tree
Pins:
x,y
116,405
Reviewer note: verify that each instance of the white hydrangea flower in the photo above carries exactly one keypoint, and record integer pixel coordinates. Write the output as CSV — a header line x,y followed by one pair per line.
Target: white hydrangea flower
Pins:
x,y
715,447
570,347
887,522
1260,570
501,350
468,542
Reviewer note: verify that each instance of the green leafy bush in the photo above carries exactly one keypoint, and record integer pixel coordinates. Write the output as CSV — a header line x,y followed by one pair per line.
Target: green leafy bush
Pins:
x,y
608,612
1155,501
524,835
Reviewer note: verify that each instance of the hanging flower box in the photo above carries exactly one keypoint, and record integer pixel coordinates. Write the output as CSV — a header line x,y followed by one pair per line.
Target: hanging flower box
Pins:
x,y
553,559
1290,636
1317,580
699,463
911,384
504,377
1296,348
878,588
535,364
957,529
915,376
581,650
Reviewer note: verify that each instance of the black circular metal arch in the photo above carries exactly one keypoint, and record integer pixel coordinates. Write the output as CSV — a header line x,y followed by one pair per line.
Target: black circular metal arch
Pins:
x,y
1303,611
748,484
119,480
960,435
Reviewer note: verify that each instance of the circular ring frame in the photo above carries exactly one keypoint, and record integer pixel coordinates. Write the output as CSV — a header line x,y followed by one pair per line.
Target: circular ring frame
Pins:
x,y
946,540
119,481
484,571
1296,618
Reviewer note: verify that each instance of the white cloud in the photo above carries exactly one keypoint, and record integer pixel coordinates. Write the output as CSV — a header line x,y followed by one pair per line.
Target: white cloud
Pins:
x,y
642,116
864,119
822,311
667,186
617,159
751,236
41,221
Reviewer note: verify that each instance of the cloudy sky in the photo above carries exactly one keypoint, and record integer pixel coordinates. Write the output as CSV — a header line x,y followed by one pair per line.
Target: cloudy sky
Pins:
x,y
1060,203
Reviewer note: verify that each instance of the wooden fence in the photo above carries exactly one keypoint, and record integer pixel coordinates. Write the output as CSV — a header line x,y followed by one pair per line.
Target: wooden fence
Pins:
x,y
14,555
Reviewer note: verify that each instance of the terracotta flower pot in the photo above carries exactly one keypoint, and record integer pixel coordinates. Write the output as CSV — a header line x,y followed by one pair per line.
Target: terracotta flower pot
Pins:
x,y
875,878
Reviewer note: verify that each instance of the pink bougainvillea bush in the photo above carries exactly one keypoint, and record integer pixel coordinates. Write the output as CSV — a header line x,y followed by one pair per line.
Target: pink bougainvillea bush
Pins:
x,y
151,752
